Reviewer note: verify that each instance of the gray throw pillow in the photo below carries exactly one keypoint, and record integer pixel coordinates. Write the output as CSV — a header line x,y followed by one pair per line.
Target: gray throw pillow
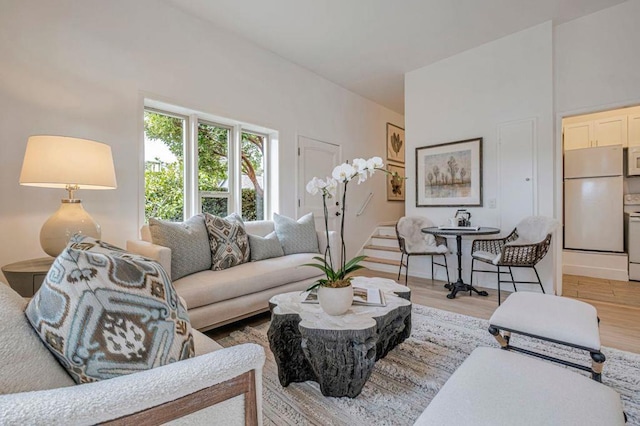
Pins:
x,y
188,241
296,237
265,247
228,241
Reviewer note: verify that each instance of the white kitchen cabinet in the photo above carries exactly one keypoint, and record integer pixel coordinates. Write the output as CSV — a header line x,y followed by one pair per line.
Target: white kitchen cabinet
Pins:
x,y
578,135
634,130
610,131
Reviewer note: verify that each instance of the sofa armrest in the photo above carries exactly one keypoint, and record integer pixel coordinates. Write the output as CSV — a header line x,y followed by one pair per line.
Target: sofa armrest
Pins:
x,y
186,383
155,252
334,245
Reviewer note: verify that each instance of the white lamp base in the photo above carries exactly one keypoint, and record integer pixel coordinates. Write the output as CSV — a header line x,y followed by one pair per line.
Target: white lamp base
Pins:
x,y
70,219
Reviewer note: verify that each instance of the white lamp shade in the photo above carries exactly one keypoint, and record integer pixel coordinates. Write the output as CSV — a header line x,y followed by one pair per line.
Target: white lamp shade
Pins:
x,y
58,161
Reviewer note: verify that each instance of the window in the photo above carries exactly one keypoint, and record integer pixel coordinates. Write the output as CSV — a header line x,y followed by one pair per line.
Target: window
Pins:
x,y
193,163
164,166
252,177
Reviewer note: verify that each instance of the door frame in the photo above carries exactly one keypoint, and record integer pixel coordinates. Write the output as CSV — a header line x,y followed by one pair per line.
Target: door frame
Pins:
x,y
559,175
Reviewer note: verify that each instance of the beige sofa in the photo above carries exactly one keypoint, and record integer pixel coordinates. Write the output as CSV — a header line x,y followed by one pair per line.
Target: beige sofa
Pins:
x,y
215,298
220,383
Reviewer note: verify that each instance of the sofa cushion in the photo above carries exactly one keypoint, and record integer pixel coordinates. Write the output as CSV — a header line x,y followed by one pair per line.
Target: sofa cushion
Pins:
x,y
188,241
261,228
206,287
228,241
203,344
108,314
25,363
265,247
296,236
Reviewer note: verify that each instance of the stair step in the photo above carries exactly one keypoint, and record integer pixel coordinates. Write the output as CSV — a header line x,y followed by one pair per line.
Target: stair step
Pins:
x,y
383,241
386,237
373,266
383,248
388,231
383,261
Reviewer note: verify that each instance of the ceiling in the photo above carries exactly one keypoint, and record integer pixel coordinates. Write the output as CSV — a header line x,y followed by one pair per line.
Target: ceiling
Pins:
x,y
367,46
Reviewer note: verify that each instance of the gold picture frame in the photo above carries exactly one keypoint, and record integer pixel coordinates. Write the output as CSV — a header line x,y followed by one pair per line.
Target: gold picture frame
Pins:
x,y
396,186
395,143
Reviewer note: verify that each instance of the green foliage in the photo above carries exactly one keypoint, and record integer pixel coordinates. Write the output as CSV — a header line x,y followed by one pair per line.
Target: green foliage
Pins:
x,y
164,184
332,275
163,192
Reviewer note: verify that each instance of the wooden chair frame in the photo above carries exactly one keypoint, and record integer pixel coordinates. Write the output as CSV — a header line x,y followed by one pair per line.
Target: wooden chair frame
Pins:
x,y
245,384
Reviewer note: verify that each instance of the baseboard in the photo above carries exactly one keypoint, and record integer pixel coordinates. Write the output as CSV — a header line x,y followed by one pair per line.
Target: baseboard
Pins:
x,y
596,272
608,266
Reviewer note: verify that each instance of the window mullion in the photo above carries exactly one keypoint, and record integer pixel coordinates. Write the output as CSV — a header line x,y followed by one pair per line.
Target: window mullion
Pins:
x,y
191,200
235,172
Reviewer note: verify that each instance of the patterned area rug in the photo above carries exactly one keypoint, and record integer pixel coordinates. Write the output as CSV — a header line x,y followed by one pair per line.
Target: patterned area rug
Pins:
x,y
404,382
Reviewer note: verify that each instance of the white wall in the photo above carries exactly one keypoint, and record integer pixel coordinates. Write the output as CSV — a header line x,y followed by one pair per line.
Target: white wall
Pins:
x,y
467,96
597,60
596,67
78,68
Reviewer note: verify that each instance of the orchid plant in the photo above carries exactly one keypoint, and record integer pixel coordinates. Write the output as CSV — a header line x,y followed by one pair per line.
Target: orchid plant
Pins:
x,y
342,174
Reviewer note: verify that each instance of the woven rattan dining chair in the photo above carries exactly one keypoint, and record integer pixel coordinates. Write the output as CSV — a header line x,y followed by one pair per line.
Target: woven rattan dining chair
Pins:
x,y
524,247
413,242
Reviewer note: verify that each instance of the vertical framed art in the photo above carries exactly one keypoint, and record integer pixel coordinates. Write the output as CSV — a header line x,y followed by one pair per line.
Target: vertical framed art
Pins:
x,y
449,174
395,183
395,143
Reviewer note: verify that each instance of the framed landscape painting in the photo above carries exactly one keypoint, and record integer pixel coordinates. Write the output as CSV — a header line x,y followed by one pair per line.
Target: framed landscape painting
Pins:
x,y
395,183
449,174
395,143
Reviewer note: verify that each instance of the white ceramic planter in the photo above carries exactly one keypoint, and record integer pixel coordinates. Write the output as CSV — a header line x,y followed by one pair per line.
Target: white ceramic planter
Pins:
x,y
335,301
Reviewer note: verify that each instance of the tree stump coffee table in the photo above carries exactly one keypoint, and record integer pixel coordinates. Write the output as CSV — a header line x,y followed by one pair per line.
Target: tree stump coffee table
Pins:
x,y
337,352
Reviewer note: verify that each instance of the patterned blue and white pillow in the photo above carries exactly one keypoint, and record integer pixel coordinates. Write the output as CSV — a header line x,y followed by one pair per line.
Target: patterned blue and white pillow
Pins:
x,y
228,240
104,312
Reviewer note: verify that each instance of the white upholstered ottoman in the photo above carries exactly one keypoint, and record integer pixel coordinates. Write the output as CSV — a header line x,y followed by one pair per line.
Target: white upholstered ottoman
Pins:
x,y
552,318
495,387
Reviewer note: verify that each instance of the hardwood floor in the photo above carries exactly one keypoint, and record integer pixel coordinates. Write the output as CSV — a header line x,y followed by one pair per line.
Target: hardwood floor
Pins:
x,y
619,323
601,290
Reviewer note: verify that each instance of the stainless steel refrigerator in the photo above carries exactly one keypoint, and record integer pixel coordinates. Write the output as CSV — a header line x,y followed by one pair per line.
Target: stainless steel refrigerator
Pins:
x,y
593,199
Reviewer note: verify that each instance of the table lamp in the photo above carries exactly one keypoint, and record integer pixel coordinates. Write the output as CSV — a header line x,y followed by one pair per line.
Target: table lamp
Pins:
x,y
72,164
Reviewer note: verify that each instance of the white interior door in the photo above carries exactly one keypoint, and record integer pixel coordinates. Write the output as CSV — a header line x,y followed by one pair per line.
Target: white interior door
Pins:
x,y
517,156
316,159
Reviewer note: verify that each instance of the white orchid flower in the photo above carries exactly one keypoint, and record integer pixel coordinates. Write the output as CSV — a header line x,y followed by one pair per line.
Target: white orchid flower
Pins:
x,y
344,172
360,164
374,163
315,185
332,187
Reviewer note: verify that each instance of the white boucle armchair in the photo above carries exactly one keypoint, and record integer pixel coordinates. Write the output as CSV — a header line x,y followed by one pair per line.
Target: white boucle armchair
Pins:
x,y
219,383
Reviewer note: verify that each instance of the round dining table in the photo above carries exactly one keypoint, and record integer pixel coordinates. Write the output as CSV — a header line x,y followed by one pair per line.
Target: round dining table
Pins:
x,y
459,232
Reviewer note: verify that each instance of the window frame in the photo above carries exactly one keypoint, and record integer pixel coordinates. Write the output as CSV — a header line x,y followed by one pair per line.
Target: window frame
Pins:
x,y
192,200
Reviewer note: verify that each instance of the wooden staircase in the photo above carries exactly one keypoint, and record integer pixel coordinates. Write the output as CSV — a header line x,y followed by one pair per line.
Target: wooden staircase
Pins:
x,y
382,251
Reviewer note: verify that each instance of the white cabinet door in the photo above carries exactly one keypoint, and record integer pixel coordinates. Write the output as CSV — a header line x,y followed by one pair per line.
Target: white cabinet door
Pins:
x,y
610,131
578,135
634,130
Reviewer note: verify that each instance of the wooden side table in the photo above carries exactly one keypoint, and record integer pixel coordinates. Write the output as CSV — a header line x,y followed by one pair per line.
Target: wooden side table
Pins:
x,y
27,276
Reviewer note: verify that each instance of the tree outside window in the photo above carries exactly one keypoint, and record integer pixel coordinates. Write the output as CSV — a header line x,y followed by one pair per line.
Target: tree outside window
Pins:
x,y
164,173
